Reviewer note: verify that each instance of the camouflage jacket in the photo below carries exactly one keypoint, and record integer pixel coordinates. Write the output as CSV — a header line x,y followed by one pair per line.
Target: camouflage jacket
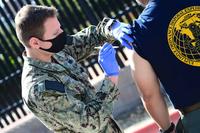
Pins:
x,y
59,93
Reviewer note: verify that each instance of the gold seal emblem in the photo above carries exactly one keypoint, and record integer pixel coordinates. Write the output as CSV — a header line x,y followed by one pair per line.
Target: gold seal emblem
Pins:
x,y
184,35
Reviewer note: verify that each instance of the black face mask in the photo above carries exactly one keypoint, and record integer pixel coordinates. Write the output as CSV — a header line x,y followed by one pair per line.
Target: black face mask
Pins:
x,y
58,43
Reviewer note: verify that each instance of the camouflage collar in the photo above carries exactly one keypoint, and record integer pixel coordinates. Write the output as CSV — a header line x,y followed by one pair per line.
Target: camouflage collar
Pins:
x,y
50,66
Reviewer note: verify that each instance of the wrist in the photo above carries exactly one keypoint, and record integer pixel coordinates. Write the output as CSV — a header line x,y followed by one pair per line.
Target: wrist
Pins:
x,y
112,74
114,79
169,130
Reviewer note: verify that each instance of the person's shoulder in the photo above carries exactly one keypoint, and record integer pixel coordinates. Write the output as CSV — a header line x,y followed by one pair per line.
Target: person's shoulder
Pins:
x,y
29,80
41,87
39,93
30,75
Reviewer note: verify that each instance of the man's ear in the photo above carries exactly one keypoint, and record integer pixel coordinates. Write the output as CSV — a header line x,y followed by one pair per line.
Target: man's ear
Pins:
x,y
34,42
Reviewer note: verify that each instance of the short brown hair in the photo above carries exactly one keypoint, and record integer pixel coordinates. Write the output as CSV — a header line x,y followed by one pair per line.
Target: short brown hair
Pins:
x,y
29,21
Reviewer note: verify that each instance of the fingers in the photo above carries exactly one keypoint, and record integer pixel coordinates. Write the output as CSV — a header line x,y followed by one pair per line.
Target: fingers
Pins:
x,y
106,50
127,30
106,47
126,44
126,25
126,37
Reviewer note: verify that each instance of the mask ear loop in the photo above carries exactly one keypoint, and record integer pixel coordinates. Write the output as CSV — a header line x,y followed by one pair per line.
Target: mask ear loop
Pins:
x,y
69,38
50,40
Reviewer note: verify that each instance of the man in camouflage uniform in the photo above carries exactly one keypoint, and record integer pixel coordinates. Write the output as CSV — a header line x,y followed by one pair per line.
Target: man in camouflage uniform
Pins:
x,y
55,86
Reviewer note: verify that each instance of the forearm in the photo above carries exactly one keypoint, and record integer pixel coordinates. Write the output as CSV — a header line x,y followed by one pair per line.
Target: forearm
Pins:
x,y
157,109
149,88
109,89
84,41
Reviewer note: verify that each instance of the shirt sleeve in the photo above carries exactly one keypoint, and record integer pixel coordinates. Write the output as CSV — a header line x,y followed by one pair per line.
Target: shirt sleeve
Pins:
x,y
144,29
54,98
108,90
83,43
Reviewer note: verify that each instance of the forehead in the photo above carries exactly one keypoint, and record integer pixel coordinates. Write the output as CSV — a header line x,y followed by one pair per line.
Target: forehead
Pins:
x,y
51,25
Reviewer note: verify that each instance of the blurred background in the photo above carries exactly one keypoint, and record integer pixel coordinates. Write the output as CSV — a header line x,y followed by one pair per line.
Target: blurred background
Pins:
x,y
74,15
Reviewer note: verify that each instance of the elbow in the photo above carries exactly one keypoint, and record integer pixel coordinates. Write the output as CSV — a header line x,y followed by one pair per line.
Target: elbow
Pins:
x,y
147,98
147,95
150,96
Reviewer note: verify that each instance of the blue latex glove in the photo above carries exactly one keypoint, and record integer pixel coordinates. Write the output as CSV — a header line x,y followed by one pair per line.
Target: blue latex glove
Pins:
x,y
122,32
108,61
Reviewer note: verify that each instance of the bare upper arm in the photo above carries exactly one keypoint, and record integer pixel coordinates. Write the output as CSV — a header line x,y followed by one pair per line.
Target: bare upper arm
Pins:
x,y
145,77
